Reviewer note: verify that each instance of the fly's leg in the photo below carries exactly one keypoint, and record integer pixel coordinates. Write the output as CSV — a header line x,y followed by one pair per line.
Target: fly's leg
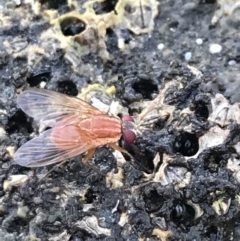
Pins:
x,y
118,148
58,165
89,155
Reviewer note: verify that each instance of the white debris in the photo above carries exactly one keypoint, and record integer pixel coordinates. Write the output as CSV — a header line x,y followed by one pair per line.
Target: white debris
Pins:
x,y
221,206
64,236
160,46
233,166
43,84
214,137
90,225
3,134
22,210
224,113
232,62
188,56
199,41
10,150
225,7
215,48
14,181
116,207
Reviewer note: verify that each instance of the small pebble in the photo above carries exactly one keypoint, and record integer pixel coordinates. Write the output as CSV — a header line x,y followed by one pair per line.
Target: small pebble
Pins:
x,y
232,62
199,41
188,56
160,46
215,48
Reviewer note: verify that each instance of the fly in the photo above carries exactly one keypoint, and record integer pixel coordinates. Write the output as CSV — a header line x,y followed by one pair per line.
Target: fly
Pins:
x,y
76,128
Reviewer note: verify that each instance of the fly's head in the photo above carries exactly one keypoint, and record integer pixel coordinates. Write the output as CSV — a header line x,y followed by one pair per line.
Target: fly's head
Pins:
x,y
128,129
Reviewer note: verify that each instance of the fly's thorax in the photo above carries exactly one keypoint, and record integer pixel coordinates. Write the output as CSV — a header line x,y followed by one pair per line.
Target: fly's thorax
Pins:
x,y
102,126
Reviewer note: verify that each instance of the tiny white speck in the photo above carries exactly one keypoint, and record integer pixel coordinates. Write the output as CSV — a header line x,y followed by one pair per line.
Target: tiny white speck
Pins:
x,y
43,84
199,41
121,44
18,2
188,56
115,208
160,46
215,48
232,62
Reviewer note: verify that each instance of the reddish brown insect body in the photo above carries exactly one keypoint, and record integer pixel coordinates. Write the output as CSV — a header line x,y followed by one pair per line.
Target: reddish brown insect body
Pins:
x,y
77,127
94,131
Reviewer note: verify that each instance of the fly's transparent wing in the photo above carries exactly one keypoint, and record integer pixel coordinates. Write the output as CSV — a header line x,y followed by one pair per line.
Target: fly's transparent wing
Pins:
x,y
52,146
50,107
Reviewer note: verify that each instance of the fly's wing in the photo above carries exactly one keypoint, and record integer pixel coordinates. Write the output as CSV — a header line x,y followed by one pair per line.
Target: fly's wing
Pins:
x,y
54,145
49,107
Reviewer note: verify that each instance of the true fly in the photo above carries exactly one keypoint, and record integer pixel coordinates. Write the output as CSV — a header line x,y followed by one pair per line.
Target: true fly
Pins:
x,y
76,128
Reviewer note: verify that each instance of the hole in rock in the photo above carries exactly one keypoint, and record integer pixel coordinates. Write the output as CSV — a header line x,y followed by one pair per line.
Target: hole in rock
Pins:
x,y
182,214
67,87
35,80
112,40
90,196
53,4
153,201
146,87
17,122
72,26
187,144
211,232
105,7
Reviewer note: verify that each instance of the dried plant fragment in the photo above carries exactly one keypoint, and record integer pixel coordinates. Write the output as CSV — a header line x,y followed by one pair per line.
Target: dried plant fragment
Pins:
x,y
167,174
139,15
83,33
155,110
221,207
225,7
90,225
234,166
223,112
115,180
102,97
164,235
198,210
214,137
64,236
14,181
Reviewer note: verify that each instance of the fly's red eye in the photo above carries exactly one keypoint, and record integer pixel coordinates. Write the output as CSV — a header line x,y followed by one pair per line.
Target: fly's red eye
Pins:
x,y
127,118
129,136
